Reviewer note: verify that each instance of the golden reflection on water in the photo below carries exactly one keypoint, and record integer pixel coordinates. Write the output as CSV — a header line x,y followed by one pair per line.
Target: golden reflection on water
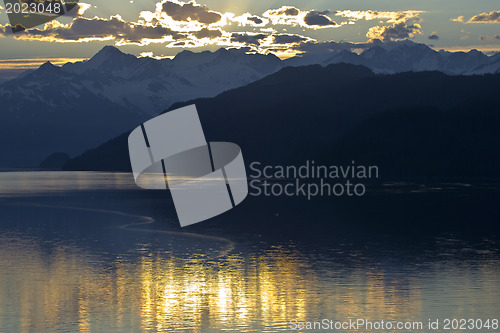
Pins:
x,y
42,183
62,287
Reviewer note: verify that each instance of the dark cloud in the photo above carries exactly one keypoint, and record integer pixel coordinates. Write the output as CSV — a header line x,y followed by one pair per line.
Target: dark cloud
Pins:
x,y
255,19
433,37
190,11
496,37
286,11
97,28
178,44
397,31
492,17
318,19
288,39
207,33
247,38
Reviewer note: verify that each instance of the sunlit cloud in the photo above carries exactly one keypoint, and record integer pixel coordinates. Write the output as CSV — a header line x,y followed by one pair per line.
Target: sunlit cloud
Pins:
x,y
288,15
79,10
390,16
397,31
185,17
250,20
289,39
491,17
177,24
458,19
96,29
285,15
433,36
248,38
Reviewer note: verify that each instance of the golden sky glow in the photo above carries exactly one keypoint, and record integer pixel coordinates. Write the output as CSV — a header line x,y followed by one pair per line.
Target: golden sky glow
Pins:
x,y
170,26
177,24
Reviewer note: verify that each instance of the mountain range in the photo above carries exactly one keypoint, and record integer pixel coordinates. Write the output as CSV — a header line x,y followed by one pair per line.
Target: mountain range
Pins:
x,y
406,56
415,125
77,106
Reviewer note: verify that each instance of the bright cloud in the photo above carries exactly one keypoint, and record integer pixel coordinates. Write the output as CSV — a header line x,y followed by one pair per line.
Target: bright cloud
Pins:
x,y
397,31
293,16
96,29
391,17
249,19
491,17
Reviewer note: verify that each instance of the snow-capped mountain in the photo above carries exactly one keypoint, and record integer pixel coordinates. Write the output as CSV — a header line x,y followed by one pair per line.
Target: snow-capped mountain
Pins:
x,y
151,85
405,56
492,66
79,105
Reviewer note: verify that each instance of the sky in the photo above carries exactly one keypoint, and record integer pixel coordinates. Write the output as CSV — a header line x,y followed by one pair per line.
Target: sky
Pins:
x,y
283,27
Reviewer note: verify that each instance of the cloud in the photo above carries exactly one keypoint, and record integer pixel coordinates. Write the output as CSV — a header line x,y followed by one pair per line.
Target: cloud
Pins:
x,y
433,36
458,19
249,19
288,39
247,38
397,31
191,11
368,15
97,29
208,33
496,37
185,17
174,24
79,9
255,19
285,15
491,17
319,19
284,11
405,24
293,16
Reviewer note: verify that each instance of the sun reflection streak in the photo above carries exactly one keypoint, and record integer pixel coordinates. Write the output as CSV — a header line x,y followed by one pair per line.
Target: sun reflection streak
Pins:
x,y
159,292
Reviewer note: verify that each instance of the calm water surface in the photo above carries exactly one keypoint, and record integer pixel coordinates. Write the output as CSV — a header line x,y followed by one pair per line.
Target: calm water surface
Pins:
x,y
78,253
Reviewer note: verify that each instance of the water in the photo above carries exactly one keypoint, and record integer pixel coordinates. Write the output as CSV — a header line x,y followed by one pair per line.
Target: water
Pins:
x,y
80,252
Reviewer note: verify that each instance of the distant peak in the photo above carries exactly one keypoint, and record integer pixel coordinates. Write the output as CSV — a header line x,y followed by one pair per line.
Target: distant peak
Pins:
x,y
105,54
109,49
222,50
47,66
184,53
474,51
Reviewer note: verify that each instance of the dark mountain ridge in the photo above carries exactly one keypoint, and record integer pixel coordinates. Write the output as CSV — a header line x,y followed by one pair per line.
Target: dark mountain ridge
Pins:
x,y
416,126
